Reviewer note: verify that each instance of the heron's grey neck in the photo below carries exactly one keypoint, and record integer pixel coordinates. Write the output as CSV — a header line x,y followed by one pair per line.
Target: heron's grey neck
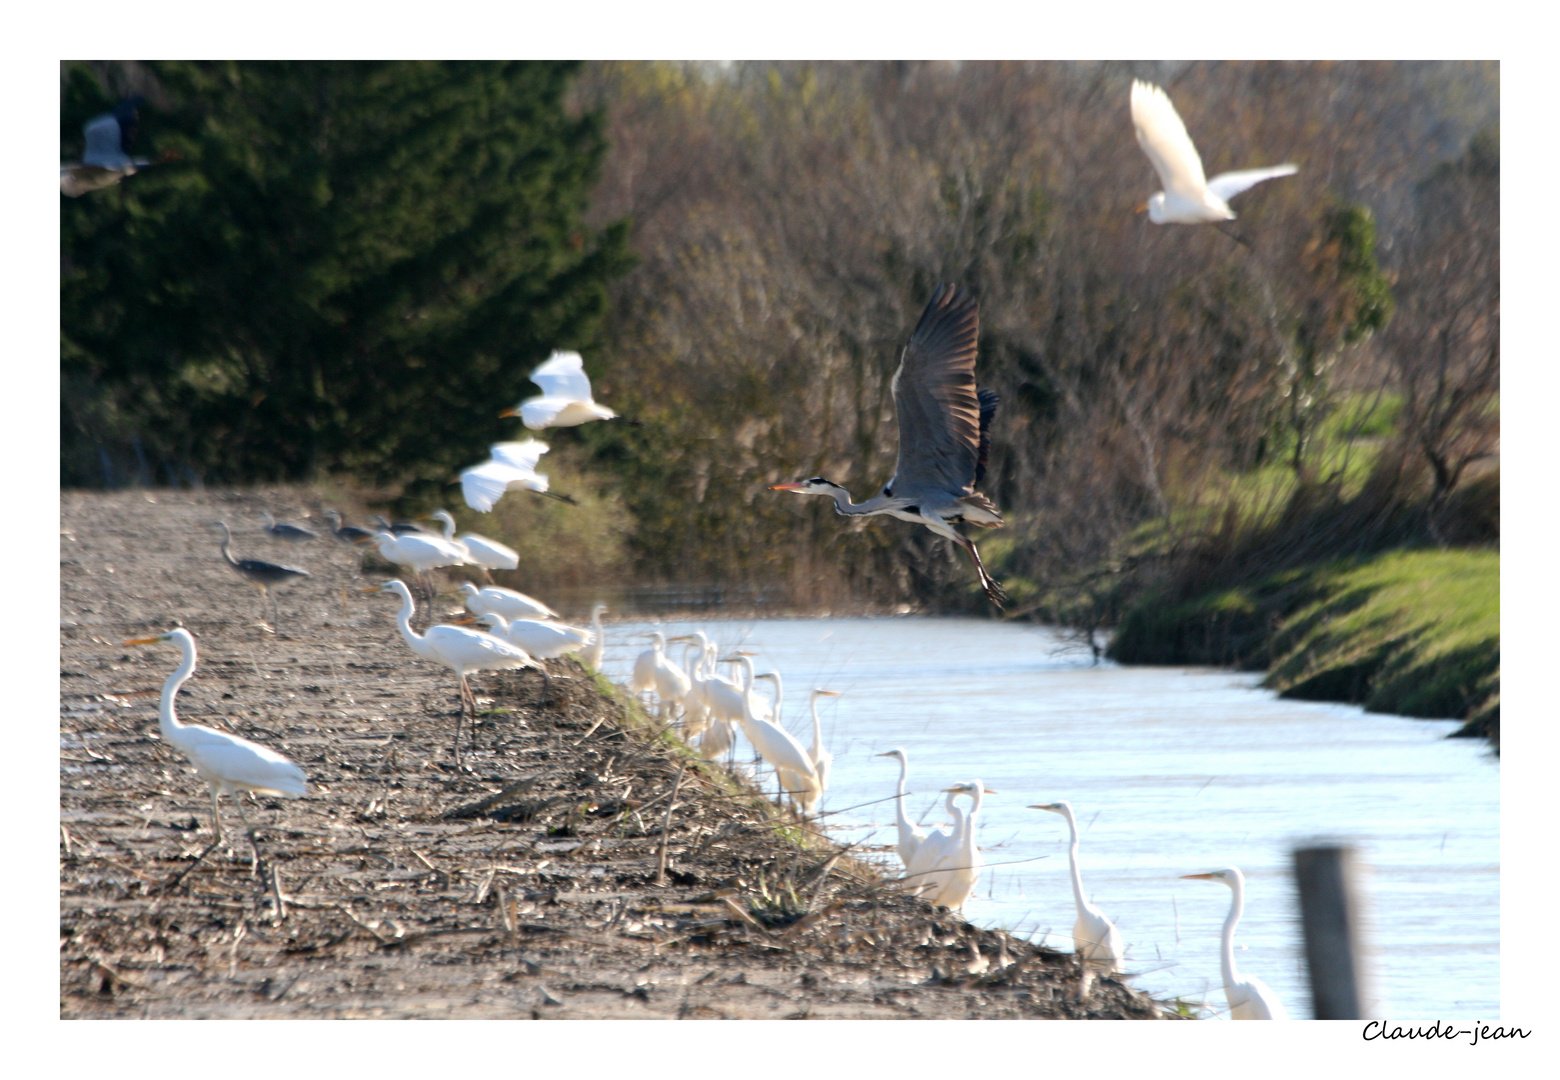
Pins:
x,y
878,504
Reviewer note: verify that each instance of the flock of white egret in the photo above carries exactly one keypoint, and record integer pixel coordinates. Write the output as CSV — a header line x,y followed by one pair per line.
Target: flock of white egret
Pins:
x,y
944,444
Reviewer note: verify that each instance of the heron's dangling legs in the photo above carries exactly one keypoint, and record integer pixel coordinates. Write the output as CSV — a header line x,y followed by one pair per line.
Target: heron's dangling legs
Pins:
x,y
994,591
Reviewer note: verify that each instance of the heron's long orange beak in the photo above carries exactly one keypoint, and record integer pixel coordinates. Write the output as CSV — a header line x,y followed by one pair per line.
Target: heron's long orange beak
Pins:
x,y
510,412
785,487
142,641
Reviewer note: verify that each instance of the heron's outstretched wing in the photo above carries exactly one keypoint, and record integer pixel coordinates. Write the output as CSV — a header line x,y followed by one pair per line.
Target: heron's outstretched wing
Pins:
x,y
1227,185
1163,138
934,397
563,375
989,400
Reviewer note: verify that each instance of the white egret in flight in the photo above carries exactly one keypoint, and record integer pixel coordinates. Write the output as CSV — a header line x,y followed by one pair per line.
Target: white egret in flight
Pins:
x,y
1096,940
1249,997
509,465
565,400
1187,198
944,439
226,762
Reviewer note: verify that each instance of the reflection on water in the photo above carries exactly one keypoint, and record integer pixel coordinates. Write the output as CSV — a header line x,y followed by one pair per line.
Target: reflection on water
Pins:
x,y
1170,771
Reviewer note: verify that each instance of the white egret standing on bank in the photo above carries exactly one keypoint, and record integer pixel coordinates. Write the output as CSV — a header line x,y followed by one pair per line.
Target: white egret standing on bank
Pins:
x,y
462,651
779,747
226,762
505,602
598,644
1187,198
947,865
488,554
1096,940
1249,997
821,758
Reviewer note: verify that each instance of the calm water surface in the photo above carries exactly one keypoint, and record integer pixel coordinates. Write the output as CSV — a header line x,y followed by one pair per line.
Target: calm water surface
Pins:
x,y
1170,771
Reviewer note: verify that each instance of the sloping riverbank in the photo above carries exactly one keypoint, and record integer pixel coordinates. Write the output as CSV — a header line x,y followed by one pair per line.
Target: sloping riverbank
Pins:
x,y
528,883
1415,633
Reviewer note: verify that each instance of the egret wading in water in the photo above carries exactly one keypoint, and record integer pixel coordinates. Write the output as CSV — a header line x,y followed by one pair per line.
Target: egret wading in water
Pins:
x,y
944,434
947,865
1187,198
462,651
793,768
565,400
227,763
910,834
1249,997
1096,941
259,573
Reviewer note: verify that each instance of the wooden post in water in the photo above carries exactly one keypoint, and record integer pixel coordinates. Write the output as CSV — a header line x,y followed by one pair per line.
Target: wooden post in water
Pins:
x,y
1327,876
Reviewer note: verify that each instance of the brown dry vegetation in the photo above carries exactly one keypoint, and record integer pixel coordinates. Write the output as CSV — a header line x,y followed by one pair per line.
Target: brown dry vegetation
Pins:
x,y
524,885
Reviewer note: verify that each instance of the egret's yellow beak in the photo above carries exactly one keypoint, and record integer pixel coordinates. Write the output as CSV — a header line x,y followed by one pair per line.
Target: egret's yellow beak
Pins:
x,y
142,641
1141,208
1196,877
510,412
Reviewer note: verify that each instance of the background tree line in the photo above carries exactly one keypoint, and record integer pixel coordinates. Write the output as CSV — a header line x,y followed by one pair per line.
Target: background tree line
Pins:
x,y
741,252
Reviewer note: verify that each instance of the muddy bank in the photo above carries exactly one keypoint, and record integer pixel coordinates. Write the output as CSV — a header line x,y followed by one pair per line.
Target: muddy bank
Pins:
x,y
556,874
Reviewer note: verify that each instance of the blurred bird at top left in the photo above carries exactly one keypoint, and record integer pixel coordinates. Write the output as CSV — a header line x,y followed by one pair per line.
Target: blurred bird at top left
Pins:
x,y
106,160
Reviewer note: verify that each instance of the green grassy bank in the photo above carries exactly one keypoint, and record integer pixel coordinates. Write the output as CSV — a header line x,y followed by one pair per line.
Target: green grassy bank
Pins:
x,y
1410,632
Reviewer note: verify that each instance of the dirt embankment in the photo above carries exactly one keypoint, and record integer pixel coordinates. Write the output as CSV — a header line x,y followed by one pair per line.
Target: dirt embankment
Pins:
x,y
527,883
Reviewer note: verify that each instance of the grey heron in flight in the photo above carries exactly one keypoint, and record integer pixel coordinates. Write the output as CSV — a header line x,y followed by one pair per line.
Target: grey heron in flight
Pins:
x,y
106,160
944,434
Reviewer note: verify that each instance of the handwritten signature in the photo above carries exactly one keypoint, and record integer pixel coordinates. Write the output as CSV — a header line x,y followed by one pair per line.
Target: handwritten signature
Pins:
x,y
1378,1029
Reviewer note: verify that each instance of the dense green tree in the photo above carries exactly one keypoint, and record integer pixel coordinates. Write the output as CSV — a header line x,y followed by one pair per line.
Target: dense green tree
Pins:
x,y
350,267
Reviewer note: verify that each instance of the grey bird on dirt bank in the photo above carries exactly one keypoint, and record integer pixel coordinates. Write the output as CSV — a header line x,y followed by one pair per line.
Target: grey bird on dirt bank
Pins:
x,y
281,530
107,160
259,573
944,439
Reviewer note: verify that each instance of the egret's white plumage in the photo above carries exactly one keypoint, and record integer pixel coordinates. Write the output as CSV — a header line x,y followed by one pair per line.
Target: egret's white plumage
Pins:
x,y
566,397
1187,198
542,638
598,642
418,552
1095,938
946,866
1249,996
821,758
510,464
480,549
773,743
462,651
227,763
655,671
506,602
910,834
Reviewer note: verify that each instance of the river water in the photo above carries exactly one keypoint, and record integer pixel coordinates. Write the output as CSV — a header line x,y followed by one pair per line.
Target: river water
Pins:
x,y
1170,771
